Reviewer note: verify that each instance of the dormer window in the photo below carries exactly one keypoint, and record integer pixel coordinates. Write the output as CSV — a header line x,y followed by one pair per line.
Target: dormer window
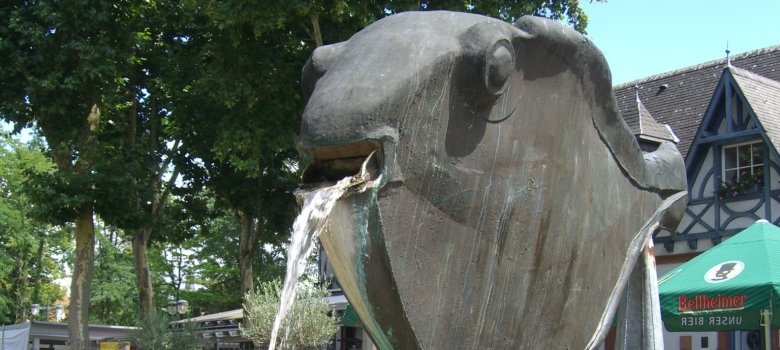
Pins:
x,y
743,169
743,160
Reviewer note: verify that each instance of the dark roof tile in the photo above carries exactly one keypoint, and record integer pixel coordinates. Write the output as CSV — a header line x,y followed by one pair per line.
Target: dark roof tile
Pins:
x,y
763,95
680,98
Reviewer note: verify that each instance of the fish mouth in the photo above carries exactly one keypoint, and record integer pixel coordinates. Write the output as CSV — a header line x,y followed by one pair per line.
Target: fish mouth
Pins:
x,y
361,160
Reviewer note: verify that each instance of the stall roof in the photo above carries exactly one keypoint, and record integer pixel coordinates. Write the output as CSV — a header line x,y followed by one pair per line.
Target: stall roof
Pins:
x,y
337,302
59,331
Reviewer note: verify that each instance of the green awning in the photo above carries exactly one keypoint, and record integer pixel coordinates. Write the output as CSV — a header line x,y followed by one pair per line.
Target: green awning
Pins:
x,y
727,287
349,318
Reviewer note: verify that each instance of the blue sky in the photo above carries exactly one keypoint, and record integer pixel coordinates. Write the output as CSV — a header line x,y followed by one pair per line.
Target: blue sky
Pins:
x,y
640,38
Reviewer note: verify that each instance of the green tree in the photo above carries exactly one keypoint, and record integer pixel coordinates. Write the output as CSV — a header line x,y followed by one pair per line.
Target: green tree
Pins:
x,y
86,75
27,247
236,118
307,326
64,66
147,142
111,301
198,260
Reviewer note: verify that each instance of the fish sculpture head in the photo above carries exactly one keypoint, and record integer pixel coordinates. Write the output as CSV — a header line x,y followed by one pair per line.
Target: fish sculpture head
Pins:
x,y
505,197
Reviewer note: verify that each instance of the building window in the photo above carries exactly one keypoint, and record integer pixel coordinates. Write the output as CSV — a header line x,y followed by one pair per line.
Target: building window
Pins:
x,y
743,169
743,161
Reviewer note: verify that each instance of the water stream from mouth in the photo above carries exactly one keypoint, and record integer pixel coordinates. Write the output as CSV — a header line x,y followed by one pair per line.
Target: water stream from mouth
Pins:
x,y
317,205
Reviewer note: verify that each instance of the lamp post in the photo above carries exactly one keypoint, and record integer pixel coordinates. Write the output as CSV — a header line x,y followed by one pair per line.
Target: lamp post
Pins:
x,y
176,308
59,311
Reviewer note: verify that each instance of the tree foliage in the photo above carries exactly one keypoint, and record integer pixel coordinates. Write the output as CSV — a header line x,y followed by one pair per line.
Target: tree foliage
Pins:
x,y
568,11
237,108
209,273
82,74
27,247
111,301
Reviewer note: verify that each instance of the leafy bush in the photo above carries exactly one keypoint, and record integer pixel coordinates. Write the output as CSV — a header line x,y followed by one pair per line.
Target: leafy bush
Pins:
x,y
154,333
307,326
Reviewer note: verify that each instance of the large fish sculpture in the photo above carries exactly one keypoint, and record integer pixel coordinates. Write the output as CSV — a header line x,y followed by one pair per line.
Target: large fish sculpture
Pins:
x,y
506,204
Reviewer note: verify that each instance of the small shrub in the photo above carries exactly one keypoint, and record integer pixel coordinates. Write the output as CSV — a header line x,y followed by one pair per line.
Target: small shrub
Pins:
x,y
155,334
307,326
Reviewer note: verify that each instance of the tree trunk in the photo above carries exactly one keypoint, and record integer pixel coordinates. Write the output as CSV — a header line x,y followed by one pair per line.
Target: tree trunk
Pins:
x,y
143,279
315,24
38,277
78,311
246,253
22,287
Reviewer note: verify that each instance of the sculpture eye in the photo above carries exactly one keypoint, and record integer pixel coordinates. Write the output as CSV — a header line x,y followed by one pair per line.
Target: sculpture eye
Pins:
x,y
487,66
488,61
499,64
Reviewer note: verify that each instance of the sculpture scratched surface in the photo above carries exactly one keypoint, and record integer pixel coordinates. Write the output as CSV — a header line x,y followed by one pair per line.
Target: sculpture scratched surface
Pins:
x,y
509,201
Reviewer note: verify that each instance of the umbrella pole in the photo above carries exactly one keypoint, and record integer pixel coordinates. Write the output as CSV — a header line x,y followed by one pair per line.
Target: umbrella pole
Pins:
x,y
766,319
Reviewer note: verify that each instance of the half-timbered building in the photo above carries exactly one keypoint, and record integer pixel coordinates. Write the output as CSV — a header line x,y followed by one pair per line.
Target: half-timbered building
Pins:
x,y
724,116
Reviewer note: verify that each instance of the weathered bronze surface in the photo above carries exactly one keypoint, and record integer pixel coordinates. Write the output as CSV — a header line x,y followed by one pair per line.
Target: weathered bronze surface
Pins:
x,y
511,200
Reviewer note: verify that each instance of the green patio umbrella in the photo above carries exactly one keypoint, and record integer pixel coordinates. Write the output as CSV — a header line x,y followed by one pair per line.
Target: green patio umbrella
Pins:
x,y
733,286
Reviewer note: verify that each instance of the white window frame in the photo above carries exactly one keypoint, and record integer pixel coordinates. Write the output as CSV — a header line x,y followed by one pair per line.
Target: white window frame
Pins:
x,y
739,168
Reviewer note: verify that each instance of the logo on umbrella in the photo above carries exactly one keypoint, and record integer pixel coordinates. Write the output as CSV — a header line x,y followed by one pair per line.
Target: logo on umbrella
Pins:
x,y
724,271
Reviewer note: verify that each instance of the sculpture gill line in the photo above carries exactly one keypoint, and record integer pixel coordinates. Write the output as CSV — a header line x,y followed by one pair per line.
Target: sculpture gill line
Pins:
x,y
486,226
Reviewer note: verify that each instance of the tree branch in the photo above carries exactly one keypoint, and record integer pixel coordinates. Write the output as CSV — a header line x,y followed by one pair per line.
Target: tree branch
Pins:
x,y
157,207
315,24
167,161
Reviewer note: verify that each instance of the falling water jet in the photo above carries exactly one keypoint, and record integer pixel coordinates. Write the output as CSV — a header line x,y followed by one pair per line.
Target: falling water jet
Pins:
x,y
316,206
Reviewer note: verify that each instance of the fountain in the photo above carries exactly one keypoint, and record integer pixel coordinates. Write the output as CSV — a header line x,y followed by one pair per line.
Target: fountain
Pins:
x,y
508,205
317,204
